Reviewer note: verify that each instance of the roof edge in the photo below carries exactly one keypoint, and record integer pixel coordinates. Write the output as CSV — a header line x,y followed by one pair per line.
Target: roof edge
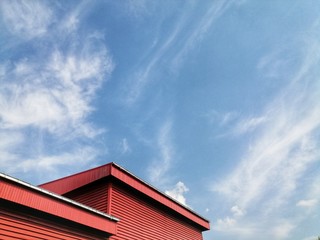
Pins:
x,y
75,181
74,174
158,191
57,196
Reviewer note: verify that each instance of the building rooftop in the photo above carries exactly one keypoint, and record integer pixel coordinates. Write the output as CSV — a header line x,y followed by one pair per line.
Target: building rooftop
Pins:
x,y
19,192
70,183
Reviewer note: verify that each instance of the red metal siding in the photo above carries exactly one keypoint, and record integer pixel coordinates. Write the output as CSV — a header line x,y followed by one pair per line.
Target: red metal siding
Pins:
x,y
68,184
19,227
77,180
148,190
94,195
35,200
140,220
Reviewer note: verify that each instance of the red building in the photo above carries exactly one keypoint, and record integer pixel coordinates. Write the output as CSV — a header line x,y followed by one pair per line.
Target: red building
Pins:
x,y
29,212
111,202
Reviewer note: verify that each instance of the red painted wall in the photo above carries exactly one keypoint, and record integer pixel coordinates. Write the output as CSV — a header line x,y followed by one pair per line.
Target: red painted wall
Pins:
x,y
141,218
94,195
71,183
17,226
13,192
28,212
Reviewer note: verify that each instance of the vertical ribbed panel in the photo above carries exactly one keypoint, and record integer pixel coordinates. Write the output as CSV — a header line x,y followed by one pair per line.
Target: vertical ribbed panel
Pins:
x,y
17,227
94,195
15,193
68,184
140,220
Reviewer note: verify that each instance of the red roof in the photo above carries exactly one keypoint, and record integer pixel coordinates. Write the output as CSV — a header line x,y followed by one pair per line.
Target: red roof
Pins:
x,y
19,192
70,183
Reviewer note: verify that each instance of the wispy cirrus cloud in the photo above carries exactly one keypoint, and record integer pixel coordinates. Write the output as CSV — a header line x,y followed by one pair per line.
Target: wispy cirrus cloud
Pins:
x,y
26,19
47,94
247,125
160,167
307,203
199,30
8,143
283,151
124,146
221,119
233,124
170,49
146,70
162,163
54,165
136,8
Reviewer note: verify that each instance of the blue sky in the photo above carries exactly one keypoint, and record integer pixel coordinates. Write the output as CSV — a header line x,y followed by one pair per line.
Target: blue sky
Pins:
x,y
216,103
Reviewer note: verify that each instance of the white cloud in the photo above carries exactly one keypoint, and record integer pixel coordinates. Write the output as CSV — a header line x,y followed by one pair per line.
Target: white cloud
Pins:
x,y
146,71
221,118
46,95
248,125
213,12
307,203
232,124
313,188
148,68
26,18
228,117
53,96
281,152
49,163
48,167
160,166
276,63
178,192
27,105
125,147
136,8
71,21
3,69
283,230
9,140
225,224
237,211
231,226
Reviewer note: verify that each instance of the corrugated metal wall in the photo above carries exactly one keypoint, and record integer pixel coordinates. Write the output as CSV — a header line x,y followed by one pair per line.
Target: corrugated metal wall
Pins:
x,y
140,220
94,195
19,227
